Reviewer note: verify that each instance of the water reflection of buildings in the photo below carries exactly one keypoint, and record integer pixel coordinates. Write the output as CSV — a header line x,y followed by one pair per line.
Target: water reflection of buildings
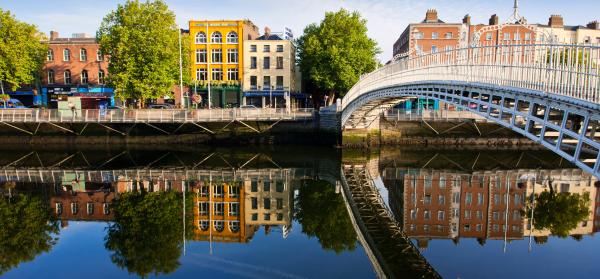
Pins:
x,y
479,204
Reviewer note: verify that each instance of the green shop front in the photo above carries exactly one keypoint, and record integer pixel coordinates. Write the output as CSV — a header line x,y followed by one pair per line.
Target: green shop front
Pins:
x,y
223,95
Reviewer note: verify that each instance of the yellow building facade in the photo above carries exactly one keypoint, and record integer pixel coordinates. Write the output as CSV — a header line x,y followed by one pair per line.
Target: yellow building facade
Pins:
x,y
217,50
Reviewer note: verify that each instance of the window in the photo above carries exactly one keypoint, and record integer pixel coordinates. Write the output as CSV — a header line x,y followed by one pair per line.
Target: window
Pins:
x,y
441,215
434,35
232,74
448,48
479,215
50,76
99,56
478,227
59,208
455,212
217,55
419,35
219,208
234,209
479,198
517,36
467,214
280,62
67,77
234,191
216,37
267,217
279,186
434,49
448,35
203,208
506,37
83,54
495,215
204,191
219,225
426,215
267,186
455,197
428,180
426,228
279,203
279,83
267,62
488,36
201,74
527,36
254,186
253,83
218,191
456,182
467,228
441,199
253,62
516,215
427,199
232,37
105,208
203,225
442,184
232,55
413,214
267,203
84,77
254,216
101,77
266,83
74,208
279,217
66,55
496,199
217,74
234,226
252,48
517,199
50,56
254,202
279,48
90,208
266,48
200,55
200,38
468,198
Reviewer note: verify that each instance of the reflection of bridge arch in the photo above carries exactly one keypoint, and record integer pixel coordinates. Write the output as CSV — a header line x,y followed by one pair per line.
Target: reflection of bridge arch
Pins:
x,y
548,93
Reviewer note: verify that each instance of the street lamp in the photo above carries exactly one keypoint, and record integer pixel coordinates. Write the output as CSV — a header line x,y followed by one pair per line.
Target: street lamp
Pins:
x,y
181,72
271,96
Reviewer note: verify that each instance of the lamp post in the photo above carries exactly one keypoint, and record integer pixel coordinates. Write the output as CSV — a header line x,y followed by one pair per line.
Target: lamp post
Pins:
x,y
271,87
181,72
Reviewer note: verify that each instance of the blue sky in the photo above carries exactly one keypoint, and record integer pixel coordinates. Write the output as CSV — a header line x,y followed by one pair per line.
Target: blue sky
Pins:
x,y
386,18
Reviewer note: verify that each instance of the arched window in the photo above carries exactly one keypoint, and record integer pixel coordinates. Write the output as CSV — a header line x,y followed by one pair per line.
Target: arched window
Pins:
x,y
66,55
101,77
83,54
84,77
216,37
67,76
51,76
200,38
219,225
204,225
234,226
232,37
50,55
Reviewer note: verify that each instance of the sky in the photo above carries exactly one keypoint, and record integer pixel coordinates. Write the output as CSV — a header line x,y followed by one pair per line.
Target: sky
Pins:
x,y
386,19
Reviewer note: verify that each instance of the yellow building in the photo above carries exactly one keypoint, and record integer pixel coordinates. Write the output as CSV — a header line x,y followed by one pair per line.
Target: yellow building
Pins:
x,y
217,48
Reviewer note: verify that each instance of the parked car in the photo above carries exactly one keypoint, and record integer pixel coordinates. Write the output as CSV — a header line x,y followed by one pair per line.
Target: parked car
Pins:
x,y
161,106
11,104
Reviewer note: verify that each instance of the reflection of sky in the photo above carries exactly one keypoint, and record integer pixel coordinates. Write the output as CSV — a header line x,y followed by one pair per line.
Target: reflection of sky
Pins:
x,y
80,253
558,258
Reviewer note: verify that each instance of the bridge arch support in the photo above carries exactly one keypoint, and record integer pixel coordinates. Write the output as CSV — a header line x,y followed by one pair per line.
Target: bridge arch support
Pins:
x,y
568,126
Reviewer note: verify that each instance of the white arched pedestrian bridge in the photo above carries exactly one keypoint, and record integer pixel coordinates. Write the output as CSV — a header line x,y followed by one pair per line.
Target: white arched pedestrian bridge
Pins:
x,y
549,93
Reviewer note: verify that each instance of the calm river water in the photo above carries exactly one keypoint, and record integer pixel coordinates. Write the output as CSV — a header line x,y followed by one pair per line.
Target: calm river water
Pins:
x,y
278,212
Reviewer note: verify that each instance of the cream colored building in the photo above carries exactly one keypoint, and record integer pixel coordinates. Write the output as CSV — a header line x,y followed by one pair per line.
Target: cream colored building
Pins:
x,y
578,34
271,78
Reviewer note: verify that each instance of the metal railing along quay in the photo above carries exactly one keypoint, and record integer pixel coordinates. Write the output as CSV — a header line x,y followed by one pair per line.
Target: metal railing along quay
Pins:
x,y
151,115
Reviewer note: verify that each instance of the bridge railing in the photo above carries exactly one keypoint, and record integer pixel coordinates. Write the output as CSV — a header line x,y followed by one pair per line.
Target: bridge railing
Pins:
x,y
562,69
433,115
150,115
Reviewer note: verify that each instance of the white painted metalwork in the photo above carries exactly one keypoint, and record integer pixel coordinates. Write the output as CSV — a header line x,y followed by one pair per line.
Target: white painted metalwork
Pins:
x,y
150,115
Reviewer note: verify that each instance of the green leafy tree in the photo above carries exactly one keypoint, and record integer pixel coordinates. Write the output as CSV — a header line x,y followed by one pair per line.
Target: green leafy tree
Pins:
x,y
322,213
142,42
26,230
146,236
22,52
335,53
559,212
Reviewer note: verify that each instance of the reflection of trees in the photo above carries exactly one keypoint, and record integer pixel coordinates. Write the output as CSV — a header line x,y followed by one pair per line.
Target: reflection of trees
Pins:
x,y
322,213
560,212
26,228
146,236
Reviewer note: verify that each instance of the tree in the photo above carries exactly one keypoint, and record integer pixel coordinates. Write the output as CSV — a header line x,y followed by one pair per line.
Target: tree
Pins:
x,y
142,42
335,53
22,52
26,229
322,213
146,236
559,212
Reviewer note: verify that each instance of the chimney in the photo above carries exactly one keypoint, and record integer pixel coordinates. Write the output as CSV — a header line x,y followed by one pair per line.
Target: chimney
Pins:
x,y
594,25
467,19
555,21
267,32
431,16
494,20
53,35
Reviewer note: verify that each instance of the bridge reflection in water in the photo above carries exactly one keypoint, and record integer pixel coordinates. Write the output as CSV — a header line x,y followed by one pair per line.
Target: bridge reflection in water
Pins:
x,y
397,200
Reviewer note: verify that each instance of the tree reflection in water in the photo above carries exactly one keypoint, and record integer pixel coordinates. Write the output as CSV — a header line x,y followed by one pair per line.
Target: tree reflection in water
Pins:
x,y
26,229
322,213
559,212
146,236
